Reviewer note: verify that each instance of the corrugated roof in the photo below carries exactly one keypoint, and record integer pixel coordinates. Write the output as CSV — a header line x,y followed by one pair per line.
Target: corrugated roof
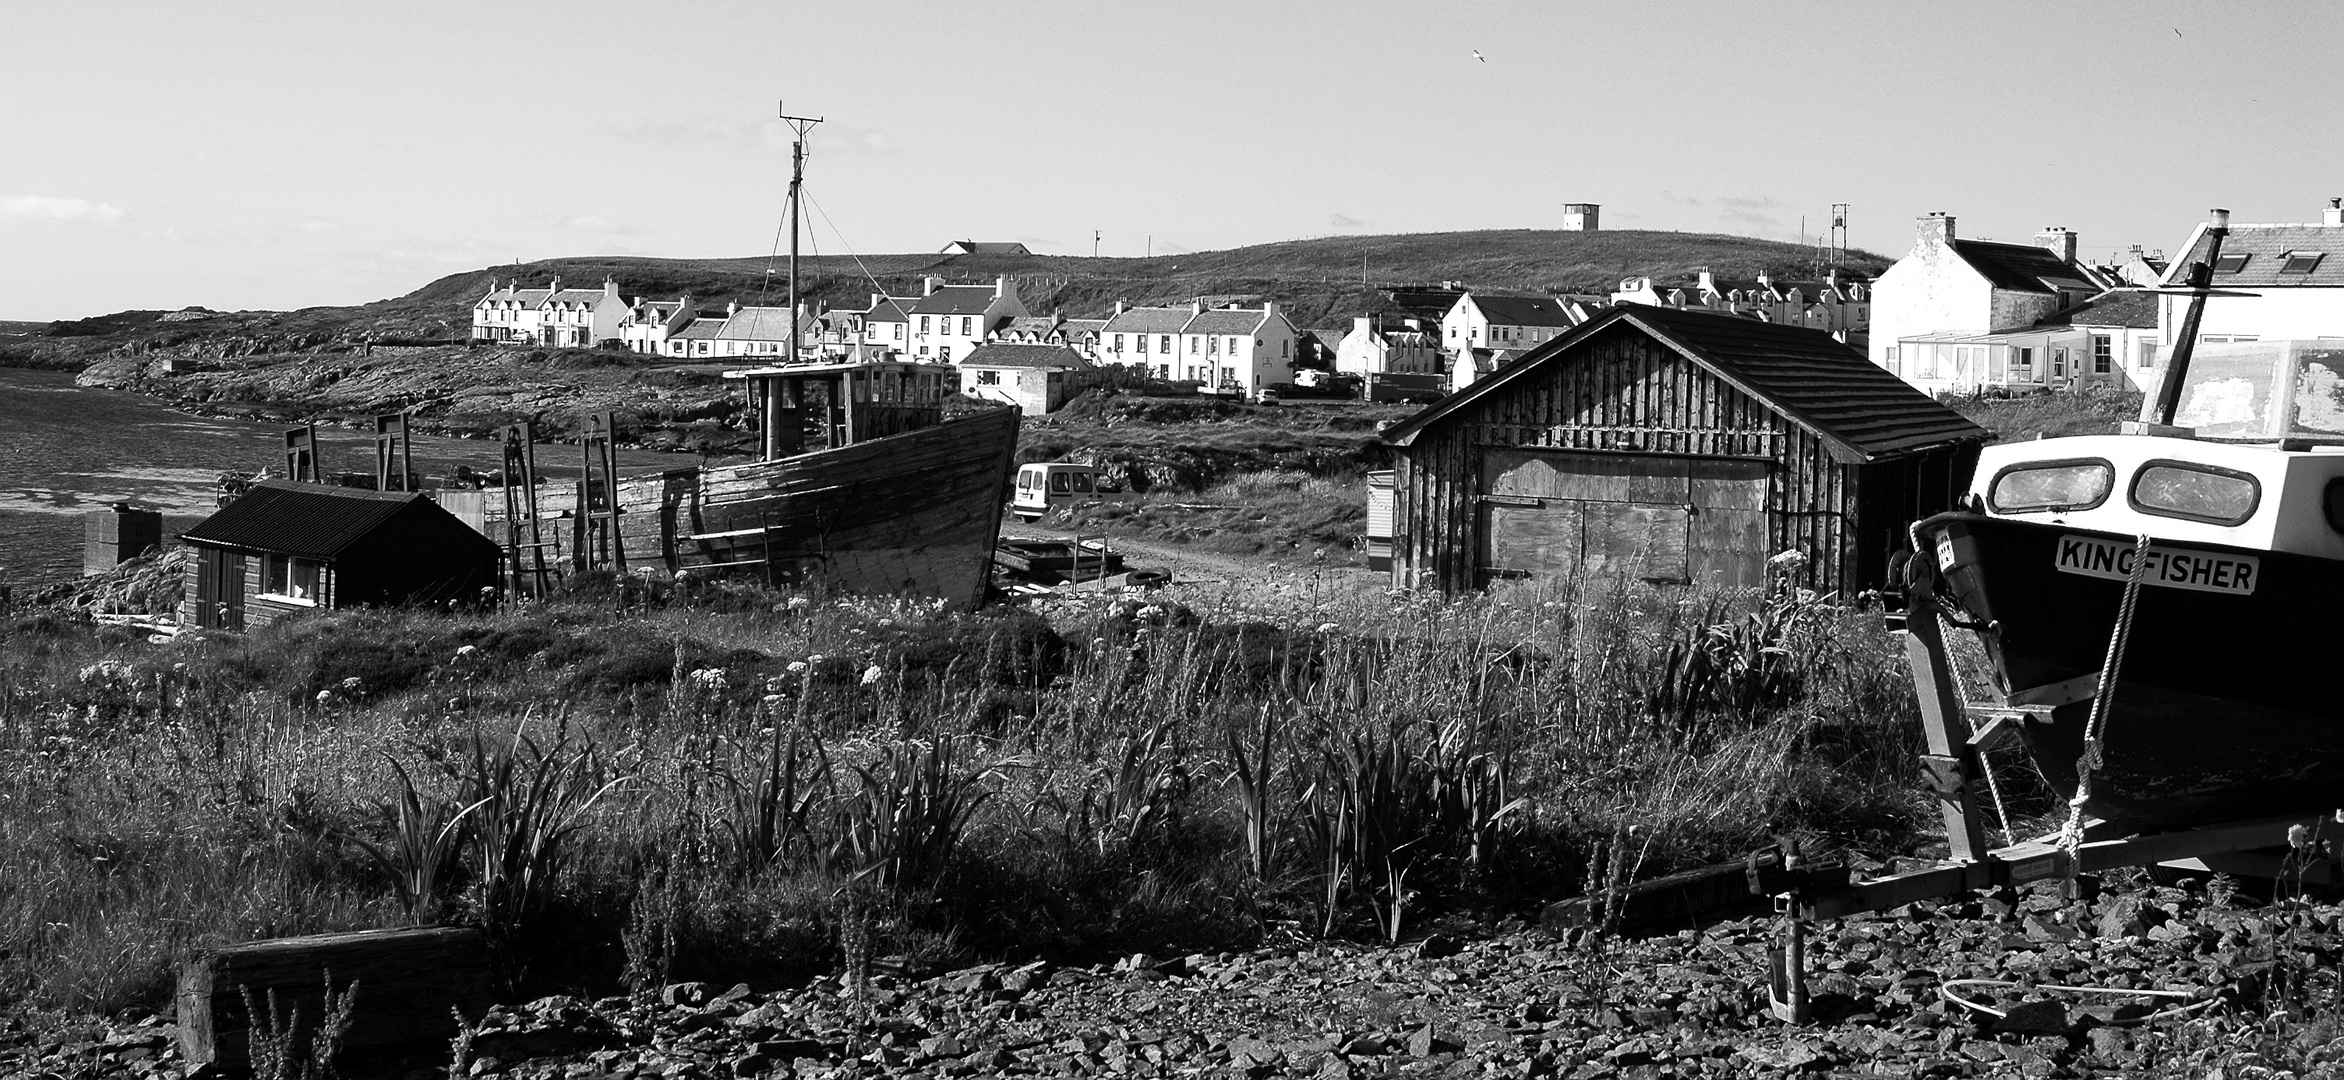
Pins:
x,y
1149,320
760,324
1239,321
2123,307
956,300
2021,267
309,520
1003,354
2267,247
1859,409
1522,310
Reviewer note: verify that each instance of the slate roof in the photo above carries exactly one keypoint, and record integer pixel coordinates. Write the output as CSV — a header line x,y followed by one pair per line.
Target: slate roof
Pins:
x,y
1522,310
308,520
1239,321
1148,320
888,310
706,326
1427,304
955,300
759,324
526,297
577,296
2266,245
1003,355
1083,326
2022,267
2123,307
983,247
1030,324
1859,409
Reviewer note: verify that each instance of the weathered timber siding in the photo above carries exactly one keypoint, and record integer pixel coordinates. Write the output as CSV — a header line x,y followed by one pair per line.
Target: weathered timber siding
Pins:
x,y
1624,392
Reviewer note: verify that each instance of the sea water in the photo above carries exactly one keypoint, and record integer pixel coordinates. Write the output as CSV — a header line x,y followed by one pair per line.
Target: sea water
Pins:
x,y
67,450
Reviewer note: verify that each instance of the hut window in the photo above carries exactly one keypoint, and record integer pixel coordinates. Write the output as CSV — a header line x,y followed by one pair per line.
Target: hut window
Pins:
x,y
2050,485
284,577
2195,492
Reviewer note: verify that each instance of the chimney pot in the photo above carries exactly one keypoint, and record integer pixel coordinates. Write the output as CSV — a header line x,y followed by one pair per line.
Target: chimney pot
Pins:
x,y
2333,214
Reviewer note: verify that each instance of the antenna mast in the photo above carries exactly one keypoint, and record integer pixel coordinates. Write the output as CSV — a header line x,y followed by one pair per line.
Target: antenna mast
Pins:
x,y
799,126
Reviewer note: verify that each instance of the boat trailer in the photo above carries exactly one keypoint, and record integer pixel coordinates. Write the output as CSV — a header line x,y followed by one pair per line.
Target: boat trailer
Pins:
x,y
1959,734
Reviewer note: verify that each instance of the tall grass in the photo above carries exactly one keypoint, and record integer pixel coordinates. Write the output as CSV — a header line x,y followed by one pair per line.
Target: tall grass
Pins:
x,y
692,778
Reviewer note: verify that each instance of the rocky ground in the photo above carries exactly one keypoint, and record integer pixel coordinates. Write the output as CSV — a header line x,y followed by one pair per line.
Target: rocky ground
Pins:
x,y
2249,991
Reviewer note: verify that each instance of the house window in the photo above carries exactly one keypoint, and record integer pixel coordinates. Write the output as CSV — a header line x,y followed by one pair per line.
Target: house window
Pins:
x,y
2231,264
1164,344
1212,346
924,325
1143,343
2023,358
1233,346
2300,262
943,354
2148,354
988,378
2059,363
967,326
285,578
2101,354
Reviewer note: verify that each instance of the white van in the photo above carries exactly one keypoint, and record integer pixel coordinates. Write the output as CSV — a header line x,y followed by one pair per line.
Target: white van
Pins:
x,y
1046,486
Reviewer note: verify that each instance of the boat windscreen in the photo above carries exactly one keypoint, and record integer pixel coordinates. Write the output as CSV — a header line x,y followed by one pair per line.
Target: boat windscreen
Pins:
x,y
2195,492
2051,485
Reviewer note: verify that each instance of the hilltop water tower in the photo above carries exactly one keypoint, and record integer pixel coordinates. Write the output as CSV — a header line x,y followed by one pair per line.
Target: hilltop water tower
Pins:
x,y
1580,216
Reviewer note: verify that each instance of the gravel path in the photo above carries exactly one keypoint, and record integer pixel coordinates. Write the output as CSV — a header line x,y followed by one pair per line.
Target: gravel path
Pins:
x,y
1511,1004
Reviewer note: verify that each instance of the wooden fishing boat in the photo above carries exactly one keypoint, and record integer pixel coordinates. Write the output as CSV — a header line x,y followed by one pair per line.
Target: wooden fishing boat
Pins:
x,y
2226,533
2223,706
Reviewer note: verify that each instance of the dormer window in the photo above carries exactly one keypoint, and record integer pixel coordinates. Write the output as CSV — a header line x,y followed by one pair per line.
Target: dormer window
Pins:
x,y
2231,264
2300,262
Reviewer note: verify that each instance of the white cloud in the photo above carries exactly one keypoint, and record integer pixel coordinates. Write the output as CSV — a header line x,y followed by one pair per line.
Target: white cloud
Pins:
x,y
1345,221
699,132
314,225
43,208
595,223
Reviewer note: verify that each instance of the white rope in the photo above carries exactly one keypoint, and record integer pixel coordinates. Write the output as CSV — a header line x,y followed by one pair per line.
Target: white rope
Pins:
x,y
2071,837
2202,999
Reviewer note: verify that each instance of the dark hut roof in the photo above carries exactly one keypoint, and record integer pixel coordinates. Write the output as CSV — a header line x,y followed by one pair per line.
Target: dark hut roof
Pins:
x,y
2022,268
309,520
1859,409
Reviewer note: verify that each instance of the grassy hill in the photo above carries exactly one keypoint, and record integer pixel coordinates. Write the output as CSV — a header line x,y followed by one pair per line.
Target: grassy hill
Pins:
x,y
1321,282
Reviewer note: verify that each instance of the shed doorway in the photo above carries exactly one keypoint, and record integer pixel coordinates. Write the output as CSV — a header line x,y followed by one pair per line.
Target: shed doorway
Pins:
x,y
219,589
1661,518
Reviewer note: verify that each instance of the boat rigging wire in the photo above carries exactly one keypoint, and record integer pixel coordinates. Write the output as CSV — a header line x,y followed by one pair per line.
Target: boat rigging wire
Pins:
x,y
2071,836
842,242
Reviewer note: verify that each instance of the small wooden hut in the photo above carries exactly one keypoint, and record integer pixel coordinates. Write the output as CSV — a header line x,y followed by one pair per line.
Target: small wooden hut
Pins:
x,y
1676,446
282,548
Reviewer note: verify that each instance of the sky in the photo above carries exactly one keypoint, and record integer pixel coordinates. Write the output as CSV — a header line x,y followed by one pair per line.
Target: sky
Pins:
x,y
281,155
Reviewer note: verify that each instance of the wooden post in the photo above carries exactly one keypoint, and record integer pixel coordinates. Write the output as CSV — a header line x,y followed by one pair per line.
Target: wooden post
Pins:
x,y
301,453
1950,762
407,981
394,459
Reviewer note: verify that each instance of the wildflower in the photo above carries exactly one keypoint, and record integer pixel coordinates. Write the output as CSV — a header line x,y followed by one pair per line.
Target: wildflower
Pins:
x,y
708,678
1788,559
772,701
799,603
797,667
1329,627
351,684
815,659
2298,836
325,697
1151,611
467,652
872,674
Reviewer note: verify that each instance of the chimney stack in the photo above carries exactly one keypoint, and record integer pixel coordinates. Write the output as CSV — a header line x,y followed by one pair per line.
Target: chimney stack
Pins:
x,y
1118,307
1936,229
1269,308
2057,240
928,285
2333,214
553,288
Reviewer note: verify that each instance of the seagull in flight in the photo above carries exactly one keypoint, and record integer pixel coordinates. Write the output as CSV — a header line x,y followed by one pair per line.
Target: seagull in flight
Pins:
x,y
1477,56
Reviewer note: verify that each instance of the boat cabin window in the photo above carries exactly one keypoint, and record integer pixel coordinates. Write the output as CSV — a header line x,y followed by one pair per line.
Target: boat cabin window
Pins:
x,y
2051,485
2195,492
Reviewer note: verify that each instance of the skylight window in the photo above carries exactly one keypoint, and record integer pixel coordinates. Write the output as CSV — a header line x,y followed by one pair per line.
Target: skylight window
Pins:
x,y
2301,262
2231,264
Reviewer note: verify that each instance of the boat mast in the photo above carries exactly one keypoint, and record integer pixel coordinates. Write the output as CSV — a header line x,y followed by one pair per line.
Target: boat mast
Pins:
x,y
799,126
2199,281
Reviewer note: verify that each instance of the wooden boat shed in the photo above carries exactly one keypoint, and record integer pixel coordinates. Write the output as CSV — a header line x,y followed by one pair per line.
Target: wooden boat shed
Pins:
x,y
282,548
1676,446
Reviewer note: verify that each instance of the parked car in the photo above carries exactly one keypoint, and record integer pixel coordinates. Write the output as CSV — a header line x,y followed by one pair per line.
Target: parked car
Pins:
x,y
1046,486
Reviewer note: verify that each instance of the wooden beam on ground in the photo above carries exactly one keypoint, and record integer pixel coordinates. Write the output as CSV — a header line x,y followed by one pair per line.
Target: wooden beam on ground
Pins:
x,y
408,981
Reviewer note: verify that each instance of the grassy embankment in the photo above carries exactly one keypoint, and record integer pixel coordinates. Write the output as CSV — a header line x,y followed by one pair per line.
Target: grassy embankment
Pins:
x,y
648,785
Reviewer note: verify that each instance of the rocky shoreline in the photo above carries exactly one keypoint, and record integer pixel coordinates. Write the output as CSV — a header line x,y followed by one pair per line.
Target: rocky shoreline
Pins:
x,y
2240,983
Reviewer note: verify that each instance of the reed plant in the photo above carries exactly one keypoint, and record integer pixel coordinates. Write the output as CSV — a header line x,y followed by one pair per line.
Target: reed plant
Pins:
x,y
719,764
